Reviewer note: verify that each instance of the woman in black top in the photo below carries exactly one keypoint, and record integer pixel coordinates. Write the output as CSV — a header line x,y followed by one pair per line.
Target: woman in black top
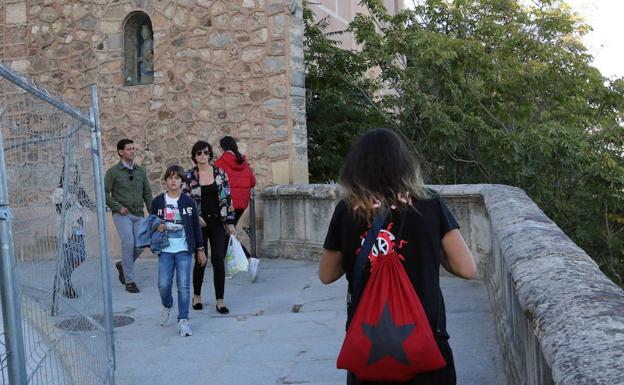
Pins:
x,y
381,175
208,185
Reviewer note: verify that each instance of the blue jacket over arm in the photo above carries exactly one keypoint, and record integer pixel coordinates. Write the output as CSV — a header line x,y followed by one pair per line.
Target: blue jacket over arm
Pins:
x,y
190,219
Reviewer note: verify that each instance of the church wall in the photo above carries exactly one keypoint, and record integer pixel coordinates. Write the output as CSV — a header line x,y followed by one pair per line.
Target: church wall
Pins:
x,y
221,67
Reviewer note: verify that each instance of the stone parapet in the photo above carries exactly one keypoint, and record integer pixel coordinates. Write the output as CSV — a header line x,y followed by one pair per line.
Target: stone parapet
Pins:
x,y
559,318
295,219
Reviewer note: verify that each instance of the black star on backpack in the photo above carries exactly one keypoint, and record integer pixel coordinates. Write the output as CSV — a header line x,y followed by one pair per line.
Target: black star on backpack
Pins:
x,y
389,338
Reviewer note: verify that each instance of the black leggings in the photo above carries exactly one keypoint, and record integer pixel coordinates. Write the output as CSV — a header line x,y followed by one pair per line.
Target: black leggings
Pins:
x,y
74,252
238,213
214,232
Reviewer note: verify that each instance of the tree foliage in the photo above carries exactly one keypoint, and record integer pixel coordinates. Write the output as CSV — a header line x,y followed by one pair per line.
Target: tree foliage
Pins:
x,y
486,91
337,105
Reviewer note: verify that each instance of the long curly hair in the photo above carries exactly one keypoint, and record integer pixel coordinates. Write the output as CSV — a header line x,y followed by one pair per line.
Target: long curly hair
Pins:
x,y
379,172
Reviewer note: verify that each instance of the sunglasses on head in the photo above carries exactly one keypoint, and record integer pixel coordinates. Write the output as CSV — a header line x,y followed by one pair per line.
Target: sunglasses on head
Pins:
x,y
205,152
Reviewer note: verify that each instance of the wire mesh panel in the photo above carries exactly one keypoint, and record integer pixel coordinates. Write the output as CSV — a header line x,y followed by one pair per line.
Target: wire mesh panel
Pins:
x,y
52,199
3,361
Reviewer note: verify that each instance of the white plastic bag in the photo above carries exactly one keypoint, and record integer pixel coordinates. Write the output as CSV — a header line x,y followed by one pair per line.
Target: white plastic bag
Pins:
x,y
235,258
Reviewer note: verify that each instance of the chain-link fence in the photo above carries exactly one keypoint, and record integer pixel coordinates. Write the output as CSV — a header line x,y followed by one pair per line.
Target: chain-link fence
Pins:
x,y
3,358
52,211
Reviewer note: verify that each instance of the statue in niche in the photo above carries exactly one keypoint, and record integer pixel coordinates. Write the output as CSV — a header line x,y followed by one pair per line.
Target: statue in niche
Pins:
x,y
145,58
292,6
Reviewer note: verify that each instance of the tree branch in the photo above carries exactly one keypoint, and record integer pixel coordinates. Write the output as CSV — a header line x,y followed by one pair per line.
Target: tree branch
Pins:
x,y
494,117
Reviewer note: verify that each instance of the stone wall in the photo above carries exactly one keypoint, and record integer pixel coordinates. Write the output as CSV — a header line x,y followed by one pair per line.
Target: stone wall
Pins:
x,y
560,319
296,219
221,67
299,157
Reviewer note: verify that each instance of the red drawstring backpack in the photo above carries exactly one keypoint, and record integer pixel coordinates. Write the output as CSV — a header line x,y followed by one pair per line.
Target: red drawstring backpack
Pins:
x,y
389,338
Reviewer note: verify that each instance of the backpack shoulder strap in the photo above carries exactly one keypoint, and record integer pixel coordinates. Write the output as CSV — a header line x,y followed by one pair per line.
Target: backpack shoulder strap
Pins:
x,y
360,261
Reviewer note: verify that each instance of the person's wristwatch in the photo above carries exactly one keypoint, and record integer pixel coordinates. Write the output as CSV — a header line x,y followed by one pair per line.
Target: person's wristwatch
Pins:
x,y
200,249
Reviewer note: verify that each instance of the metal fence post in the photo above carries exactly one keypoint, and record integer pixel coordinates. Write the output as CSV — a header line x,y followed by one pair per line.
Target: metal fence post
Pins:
x,y
252,220
11,310
96,145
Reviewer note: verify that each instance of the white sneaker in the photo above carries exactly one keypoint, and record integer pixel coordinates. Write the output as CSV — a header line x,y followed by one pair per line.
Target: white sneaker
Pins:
x,y
184,329
165,315
253,268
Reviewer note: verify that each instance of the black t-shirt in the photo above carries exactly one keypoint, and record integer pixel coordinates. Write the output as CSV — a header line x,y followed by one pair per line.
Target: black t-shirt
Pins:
x,y
422,227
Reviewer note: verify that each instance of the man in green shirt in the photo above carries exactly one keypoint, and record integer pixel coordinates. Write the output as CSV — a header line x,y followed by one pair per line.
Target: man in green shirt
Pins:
x,y
127,189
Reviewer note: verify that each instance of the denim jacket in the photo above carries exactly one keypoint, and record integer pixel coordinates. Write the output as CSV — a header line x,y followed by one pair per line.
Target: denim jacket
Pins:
x,y
190,219
148,236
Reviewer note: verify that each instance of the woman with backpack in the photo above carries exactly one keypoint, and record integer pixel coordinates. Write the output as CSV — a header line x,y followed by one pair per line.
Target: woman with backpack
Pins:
x,y
393,270
242,180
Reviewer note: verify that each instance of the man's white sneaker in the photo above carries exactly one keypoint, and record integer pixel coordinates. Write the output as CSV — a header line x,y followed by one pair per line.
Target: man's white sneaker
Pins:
x,y
253,268
184,328
165,315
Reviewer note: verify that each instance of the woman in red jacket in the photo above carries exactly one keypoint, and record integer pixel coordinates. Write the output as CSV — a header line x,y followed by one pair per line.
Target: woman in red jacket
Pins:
x,y
242,180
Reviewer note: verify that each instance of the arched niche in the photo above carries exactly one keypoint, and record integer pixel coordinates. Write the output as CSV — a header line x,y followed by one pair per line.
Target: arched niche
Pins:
x,y
138,49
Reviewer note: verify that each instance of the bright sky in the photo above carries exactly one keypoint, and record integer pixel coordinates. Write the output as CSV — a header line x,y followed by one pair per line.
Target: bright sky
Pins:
x,y
606,41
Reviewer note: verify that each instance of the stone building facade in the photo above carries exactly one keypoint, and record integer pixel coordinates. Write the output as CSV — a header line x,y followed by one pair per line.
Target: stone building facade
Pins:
x,y
339,13
220,67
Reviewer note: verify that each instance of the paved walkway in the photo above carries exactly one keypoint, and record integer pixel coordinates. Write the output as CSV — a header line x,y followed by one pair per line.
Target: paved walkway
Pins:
x,y
287,328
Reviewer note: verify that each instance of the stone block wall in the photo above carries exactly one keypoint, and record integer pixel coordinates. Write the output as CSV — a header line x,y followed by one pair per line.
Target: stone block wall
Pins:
x,y
559,318
299,157
222,67
296,219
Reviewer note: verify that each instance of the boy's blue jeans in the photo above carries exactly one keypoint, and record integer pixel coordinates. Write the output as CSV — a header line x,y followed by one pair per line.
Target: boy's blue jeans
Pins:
x,y
181,263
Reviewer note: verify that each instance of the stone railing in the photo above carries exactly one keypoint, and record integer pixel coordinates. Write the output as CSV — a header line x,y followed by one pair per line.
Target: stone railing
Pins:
x,y
560,319
296,219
